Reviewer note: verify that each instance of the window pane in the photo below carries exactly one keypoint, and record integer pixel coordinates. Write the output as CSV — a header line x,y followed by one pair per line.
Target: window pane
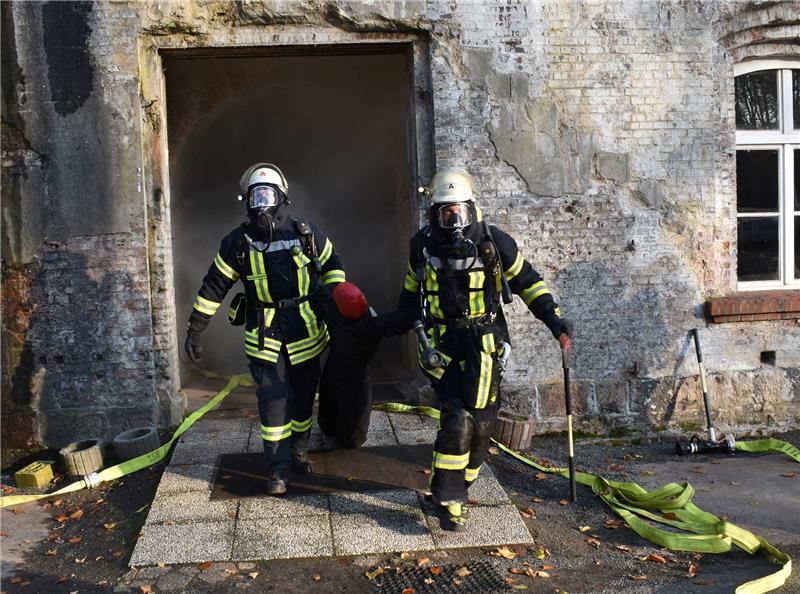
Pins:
x,y
796,179
796,101
758,249
757,181
757,101
797,248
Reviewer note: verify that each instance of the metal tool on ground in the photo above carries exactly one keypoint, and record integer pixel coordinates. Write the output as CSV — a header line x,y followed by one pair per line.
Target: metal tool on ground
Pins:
x,y
431,358
568,401
696,444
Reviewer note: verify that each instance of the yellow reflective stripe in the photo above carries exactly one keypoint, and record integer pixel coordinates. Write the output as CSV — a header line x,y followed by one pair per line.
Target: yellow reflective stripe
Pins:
x,y
305,343
470,474
300,426
205,306
484,381
225,269
312,352
487,342
251,337
276,433
326,251
269,356
333,276
514,269
534,291
259,277
557,311
450,461
300,259
411,283
476,304
432,284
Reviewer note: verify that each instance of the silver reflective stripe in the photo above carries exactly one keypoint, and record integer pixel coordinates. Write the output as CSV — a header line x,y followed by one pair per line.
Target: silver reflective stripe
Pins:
x,y
459,264
275,246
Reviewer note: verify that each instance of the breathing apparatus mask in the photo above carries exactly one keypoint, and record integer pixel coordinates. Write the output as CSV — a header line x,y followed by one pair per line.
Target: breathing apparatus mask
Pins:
x,y
452,221
453,213
265,189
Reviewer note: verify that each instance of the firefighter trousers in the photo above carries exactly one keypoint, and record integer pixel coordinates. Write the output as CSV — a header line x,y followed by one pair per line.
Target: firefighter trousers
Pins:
x,y
463,438
285,403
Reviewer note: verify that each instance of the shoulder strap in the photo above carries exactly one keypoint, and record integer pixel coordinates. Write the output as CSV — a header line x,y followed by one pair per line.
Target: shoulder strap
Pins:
x,y
501,284
242,245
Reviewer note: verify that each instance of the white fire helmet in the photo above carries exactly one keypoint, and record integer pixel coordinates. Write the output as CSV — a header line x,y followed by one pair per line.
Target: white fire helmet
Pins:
x,y
452,185
264,173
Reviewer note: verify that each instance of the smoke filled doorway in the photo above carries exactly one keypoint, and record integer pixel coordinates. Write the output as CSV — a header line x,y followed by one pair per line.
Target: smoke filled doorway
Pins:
x,y
339,123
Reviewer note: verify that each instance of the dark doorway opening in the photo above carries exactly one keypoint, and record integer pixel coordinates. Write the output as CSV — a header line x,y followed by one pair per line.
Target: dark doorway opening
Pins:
x,y
339,123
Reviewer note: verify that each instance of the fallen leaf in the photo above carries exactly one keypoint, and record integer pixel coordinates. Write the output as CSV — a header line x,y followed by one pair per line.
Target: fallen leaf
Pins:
x,y
78,513
510,581
205,565
563,502
141,509
647,473
540,553
408,591
504,552
519,586
61,518
655,558
693,567
317,577
146,589
638,578
463,572
63,578
371,575
703,582
231,571
472,501
426,471
625,548
436,570
428,581
584,528
540,476
537,499
51,553
15,580
253,575
16,511
117,554
74,540
616,467
594,542
456,582
697,556
631,457
494,451
98,558
716,462
669,516
99,501
422,561
612,524
789,474
548,567
405,555
58,503
110,526
541,574
169,523
527,513
161,564
80,561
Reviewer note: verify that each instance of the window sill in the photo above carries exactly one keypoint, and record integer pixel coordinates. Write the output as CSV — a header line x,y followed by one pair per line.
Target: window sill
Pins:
x,y
753,306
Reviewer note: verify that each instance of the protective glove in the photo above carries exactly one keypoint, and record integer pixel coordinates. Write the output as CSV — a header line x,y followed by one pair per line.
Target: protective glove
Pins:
x,y
193,347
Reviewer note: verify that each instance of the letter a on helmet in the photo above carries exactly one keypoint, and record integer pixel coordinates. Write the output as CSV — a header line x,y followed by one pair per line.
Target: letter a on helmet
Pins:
x,y
452,185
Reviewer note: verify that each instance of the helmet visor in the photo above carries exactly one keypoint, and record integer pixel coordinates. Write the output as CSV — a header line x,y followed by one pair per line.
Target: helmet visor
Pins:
x,y
263,197
454,216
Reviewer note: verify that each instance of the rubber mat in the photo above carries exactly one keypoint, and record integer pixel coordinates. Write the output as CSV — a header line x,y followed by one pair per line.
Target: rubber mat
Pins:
x,y
362,470
480,577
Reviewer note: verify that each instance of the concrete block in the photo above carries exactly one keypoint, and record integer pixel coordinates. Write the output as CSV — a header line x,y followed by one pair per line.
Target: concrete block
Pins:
x,y
183,543
411,421
190,507
486,490
378,523
214,429
379,421
206,452
284,507
487,526
379,438
283,538
415,436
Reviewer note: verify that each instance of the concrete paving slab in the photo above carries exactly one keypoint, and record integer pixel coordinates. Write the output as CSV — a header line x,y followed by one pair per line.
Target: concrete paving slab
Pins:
x,y
415,436
283,538
185,478
379,421
206,452
190,507
184,543
378,523
217,429
486,490
379,438
261,508
411,421
487,526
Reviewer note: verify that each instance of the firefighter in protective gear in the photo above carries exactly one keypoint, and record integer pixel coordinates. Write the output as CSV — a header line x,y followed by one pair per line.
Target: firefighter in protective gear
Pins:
x,y
281,262
460,271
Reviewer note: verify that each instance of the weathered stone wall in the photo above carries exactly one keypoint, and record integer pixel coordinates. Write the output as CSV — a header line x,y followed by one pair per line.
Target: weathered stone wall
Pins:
x,y
601,135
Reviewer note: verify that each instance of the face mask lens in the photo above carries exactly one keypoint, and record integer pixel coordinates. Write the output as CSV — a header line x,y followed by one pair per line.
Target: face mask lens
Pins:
x,y
454,216
263,197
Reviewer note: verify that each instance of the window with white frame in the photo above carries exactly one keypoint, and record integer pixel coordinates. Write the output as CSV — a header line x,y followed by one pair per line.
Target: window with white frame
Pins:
x,y
767,168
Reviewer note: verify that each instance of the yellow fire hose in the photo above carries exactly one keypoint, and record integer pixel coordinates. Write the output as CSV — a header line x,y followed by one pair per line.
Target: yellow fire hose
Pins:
x,y
708,534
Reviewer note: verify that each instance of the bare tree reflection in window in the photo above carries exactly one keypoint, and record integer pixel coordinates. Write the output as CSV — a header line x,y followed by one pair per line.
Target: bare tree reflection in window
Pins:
x,y
757,101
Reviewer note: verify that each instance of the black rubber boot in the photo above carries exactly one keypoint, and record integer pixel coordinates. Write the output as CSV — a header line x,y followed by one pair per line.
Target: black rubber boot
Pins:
x,y
301,462
276,483
452,520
